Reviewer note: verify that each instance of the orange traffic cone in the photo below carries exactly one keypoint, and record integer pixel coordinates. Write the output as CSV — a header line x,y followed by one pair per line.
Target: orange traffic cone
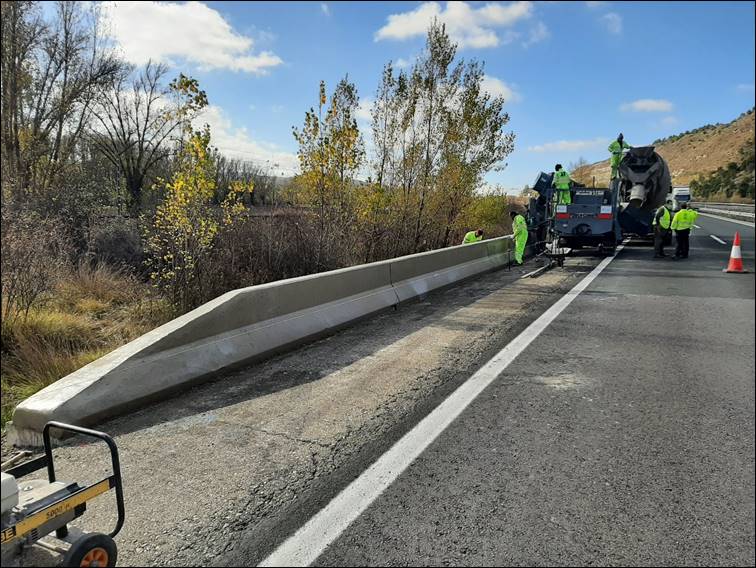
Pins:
x,y
736,260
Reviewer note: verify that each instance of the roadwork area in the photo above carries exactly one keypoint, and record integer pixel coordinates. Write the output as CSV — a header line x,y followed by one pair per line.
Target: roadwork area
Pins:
x,y
212,468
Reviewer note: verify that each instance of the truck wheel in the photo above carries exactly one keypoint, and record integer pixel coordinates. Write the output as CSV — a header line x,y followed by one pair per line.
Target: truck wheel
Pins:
x,y
94,549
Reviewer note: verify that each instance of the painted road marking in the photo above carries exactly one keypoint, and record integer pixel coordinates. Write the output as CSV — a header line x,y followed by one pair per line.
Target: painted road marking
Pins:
x,y
696,226
746,223
309,542
716,238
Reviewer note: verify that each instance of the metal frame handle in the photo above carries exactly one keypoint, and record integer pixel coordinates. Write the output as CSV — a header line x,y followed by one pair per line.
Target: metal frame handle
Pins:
x,y
116,463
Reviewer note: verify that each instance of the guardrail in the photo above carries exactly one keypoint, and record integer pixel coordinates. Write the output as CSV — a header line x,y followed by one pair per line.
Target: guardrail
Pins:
x,y
734,206
741,212
242,326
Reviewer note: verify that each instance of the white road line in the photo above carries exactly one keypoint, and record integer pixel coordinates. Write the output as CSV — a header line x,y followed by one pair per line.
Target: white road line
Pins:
x,y
716,238
746,223
696,226
309,542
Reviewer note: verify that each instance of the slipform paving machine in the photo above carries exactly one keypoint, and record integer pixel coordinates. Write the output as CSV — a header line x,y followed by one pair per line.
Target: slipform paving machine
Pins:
x,y
601,218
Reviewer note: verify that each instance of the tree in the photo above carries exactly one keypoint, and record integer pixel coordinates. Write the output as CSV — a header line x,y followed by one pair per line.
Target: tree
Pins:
x,y
51,73
180,238
331,152
436,133
136,117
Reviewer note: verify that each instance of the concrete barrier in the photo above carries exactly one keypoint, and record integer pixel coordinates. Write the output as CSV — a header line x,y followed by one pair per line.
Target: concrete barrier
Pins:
x,y
418,274
241,326
742,215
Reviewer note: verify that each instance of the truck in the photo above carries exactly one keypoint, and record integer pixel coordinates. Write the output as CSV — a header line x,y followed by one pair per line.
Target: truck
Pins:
x,y
601,218
680,194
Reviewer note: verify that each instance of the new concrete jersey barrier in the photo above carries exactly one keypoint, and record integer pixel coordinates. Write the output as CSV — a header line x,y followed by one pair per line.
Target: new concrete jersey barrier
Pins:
x,y
420,273
241,326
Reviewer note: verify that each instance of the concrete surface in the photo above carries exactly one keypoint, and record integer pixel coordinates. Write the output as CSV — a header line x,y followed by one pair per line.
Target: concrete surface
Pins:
x,y
240,326
205,471
622,436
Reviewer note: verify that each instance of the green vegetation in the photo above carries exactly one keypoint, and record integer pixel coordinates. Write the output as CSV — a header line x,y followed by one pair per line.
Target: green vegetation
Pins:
x,y
732,182
90,311
118,214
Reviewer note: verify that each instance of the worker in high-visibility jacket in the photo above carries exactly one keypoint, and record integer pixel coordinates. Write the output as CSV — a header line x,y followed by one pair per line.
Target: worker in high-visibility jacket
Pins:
x,y
682,223
473,237
561,183
616,149
520,231
662,223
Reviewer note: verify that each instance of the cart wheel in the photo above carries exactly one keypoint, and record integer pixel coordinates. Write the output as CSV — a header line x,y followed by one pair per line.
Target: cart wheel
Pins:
x,y
94,549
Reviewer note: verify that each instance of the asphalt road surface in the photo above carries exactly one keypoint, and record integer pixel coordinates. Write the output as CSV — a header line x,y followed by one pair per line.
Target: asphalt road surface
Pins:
x,y
623,434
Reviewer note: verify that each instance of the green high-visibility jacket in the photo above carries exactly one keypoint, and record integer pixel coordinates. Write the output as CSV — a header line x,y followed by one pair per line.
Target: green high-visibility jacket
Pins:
x,y
562,179
471,237
663,217
519,226
684,219
616,151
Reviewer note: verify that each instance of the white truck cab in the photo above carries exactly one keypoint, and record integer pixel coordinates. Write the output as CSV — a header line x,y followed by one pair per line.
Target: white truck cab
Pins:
x,y
679,195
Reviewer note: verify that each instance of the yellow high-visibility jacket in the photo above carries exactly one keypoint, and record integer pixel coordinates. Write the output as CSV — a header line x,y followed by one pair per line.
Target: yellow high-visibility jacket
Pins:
x,y
684,219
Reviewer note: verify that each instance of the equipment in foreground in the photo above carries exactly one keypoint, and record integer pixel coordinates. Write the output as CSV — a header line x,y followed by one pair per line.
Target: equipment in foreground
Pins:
x,y
33,510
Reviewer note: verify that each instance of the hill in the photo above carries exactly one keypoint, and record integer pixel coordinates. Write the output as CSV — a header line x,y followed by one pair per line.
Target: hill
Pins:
x,y
692,154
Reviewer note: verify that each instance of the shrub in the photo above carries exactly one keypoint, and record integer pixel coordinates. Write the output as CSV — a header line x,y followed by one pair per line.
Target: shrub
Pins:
x,y
116,241
35,257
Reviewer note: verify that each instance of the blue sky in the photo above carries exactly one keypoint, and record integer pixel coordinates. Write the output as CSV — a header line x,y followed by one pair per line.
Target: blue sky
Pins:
x,y
577,73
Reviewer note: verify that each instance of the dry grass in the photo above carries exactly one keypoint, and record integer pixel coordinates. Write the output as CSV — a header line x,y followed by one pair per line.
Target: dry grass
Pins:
x,y
91,312
690,156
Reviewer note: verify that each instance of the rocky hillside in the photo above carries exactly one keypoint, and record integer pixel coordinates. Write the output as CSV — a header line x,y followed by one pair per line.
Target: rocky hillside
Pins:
x,y
689,154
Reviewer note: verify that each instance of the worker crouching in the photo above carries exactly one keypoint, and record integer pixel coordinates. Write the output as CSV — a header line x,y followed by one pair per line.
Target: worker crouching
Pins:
x,y
473,237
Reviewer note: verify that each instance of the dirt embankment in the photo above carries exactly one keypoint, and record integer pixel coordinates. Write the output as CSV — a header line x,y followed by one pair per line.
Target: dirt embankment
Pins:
x,y
689,154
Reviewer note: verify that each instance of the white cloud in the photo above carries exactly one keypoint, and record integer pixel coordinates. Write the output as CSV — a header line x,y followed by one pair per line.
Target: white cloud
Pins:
x,y
538,33
325,9
498,88
509,36
570,145
669,121
467,26
613,22
364,110
648,105
402,63
193,32
595,4
746,87
237,143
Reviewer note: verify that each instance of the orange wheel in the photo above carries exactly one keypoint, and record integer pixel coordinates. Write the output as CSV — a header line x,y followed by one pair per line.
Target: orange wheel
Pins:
x,y
94,549
95,557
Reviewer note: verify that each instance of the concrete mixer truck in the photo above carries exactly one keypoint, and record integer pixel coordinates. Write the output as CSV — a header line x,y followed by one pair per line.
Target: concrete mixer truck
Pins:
x,y
600,218
642,185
